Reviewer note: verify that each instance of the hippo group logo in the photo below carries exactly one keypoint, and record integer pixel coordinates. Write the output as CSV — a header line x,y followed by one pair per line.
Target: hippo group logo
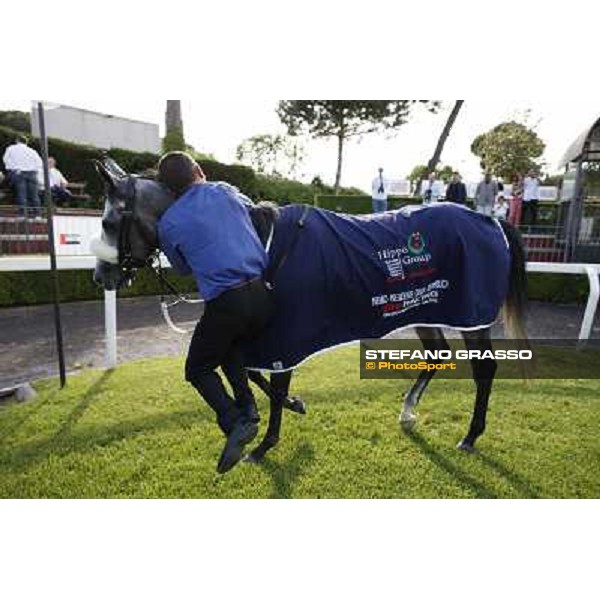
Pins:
x,y
416,243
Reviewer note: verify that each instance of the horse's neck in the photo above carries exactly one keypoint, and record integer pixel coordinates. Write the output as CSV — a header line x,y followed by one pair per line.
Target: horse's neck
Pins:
x,y
263,218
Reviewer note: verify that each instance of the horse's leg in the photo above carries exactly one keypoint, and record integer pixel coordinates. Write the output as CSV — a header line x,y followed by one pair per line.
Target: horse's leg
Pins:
x,y
483,374
291,403
432,338
277,391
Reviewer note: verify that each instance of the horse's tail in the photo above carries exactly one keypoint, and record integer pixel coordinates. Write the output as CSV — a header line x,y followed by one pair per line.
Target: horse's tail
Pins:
x,y
516,299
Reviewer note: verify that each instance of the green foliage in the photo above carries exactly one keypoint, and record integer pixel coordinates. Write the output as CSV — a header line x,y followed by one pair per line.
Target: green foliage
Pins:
x,y
29,288
443,172
17,120
508,149
278,155
174,140
344,119
75,161
139,431
554,287
358,204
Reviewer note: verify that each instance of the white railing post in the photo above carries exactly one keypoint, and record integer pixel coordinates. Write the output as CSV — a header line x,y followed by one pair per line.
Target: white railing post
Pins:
x,y
592,305
110,326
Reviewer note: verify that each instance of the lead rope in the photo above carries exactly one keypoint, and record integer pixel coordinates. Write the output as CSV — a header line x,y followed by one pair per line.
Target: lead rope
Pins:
x,y
156,267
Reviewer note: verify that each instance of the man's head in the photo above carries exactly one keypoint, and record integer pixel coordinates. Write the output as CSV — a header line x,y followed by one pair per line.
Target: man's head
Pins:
x,y
488,177
178,171
51,162
21,139
532,173
455,177
432,177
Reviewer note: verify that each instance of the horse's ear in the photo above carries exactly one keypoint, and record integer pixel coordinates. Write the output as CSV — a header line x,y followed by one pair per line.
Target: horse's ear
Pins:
x,y
113,167
110,172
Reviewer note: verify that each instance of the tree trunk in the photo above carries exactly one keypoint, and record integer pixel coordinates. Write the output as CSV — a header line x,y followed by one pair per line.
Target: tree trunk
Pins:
x,y
435,159
338,174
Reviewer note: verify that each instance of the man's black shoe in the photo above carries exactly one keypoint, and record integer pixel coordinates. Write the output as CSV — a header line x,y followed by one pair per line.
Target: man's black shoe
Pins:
x,y
243,433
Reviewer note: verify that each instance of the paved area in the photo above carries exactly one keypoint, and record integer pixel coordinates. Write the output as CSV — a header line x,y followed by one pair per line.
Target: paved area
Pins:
x,y
28,343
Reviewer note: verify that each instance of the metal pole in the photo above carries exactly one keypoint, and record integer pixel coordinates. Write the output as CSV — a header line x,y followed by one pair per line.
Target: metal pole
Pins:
x,y
50,221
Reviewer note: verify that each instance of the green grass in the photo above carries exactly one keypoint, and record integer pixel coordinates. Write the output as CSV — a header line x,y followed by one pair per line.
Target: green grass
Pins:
x,y
141,432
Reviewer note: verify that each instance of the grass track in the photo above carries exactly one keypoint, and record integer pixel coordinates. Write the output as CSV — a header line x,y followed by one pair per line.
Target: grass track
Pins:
x,y
141,432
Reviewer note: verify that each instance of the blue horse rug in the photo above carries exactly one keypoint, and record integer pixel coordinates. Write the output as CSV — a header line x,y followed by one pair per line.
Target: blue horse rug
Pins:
x,y
341,278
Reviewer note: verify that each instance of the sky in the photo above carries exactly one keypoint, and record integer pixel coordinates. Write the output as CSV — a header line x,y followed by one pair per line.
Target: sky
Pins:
x,y
217,125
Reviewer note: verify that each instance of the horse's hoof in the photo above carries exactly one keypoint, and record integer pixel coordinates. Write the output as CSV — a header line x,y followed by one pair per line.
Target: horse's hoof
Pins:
x,y
253,458
464,446
296,405
407,421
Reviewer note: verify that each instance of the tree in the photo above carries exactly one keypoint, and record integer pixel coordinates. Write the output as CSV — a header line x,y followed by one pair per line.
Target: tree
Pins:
x,y
15,119
278,155
174,138
421,172
437,154
344,119
508,149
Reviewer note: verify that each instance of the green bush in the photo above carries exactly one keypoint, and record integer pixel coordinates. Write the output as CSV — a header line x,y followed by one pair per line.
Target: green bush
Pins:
x,y
358,204
75,161
23,289
28,288
554,287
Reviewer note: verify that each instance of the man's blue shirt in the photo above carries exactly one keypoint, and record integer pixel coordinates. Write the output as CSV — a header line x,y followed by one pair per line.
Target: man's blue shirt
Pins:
x,y
208,232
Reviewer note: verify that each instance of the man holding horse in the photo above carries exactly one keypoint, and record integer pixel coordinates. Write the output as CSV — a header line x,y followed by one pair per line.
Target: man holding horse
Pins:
x,y
207,232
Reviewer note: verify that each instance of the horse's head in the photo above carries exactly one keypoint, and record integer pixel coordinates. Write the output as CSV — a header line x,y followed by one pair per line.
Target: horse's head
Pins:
x,y
132,209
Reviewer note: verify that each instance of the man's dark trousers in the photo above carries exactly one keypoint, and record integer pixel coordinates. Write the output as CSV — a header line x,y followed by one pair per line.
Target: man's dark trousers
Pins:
x,y
237,314
26,191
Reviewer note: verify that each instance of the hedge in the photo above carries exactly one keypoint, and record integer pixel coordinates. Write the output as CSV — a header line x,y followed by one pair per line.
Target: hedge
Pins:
x,y
24,289
75,161
29,288
358,204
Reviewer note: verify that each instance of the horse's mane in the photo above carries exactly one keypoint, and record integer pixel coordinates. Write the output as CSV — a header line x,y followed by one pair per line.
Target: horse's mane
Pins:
x,y
263,215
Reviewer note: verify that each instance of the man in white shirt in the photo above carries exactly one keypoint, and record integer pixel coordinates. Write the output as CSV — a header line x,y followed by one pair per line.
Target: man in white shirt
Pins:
x,y
58,183
531,196
432,190
379,193
22,166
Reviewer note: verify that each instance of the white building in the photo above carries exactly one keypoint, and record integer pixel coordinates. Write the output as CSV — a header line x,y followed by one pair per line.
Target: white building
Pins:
x,y
96,129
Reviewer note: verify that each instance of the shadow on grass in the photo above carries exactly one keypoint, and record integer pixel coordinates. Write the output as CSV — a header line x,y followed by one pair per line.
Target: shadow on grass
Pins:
x,y
73,417
284,475
479,489
520,483
87,439
35,406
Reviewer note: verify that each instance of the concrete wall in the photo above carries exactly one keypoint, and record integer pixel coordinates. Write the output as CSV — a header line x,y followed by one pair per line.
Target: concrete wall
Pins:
x,y
96,129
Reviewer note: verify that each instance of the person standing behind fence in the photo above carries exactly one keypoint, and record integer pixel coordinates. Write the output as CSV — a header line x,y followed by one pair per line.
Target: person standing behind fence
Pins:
x,y
531,195
485,195
379,193
22,165
516,201
432,190
456,191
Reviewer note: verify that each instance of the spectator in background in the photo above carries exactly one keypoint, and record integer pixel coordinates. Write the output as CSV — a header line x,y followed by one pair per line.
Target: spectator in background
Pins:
x,y
500,210
22,165
432,190
379,193
456,191
531,195
485,195
516,201
58,183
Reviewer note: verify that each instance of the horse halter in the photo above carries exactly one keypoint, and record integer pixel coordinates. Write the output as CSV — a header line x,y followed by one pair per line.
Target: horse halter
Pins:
x,y
128,216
